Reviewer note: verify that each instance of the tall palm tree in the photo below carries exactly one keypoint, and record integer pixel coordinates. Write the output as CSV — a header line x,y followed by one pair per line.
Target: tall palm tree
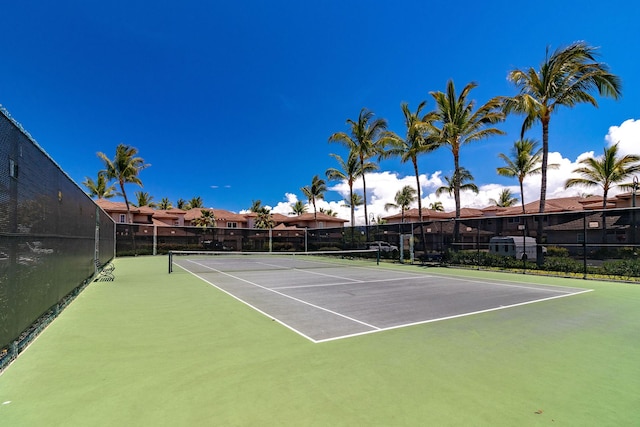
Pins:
x,y
144,199
99,188
505,199
364,142
403,200
417,141
524,161
463,183
298,208
605,172
314,192
124,168
460,123
165,204
349,171
567,77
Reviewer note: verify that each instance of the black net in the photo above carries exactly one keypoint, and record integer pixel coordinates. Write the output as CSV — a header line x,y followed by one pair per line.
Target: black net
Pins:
x,y
228,262
51,232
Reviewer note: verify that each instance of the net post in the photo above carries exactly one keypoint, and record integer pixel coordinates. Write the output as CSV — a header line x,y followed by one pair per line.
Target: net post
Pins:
x,y
170,262
378,256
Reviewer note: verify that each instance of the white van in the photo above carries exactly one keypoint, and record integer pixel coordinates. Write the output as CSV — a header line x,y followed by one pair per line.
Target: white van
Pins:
x,y
518,247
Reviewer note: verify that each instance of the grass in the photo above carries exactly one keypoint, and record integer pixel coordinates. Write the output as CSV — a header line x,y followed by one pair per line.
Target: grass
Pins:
x,y
153,349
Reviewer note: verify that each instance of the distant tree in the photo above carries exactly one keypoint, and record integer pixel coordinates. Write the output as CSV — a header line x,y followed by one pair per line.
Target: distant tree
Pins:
x,y
403,200
314,192
124,168
195,202
144,199
264,219
298,208
436,206
463,183
606,171
328,212
567,77
207,219
505,200
364,141
165,204
182,204
349,171
99,188
524,161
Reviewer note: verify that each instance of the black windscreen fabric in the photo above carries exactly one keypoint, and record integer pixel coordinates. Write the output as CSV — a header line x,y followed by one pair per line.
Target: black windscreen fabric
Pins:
x,y
48,232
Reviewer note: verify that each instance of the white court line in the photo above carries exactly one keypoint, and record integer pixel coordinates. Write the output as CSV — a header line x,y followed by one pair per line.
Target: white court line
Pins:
x,y
375,329
281,294
422,322
349,283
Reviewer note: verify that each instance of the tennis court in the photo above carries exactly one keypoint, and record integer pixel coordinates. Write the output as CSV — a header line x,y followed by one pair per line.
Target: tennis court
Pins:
x,y
330,297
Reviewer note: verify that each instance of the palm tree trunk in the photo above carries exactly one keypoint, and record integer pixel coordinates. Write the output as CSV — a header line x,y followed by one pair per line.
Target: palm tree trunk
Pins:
x,y
543,188
604,217
129,219
456,194
364,193
422,235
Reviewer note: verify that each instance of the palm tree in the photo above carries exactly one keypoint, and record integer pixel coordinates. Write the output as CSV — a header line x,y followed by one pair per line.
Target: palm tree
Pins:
x,y
364,142
206,219
182,204
195,202
99,188
298,208
524,161
165,204
505,199
567,77
124,168
417,141
329,212
436,206
264,219
463,183
144,199
461,123
605,172
349,171
403,200
314,192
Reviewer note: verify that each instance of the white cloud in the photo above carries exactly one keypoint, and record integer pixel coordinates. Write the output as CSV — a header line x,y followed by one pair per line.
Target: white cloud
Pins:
x,y
383,186
627,135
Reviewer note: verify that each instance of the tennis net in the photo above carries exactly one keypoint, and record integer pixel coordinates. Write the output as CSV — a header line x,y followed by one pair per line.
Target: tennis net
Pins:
x,y
225,262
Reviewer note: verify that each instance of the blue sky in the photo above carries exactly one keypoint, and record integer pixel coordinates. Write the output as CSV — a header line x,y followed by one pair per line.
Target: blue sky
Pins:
x,y
235,101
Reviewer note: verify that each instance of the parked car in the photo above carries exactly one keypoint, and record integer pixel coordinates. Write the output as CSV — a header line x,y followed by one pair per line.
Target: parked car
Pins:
x,y
215,246
383,246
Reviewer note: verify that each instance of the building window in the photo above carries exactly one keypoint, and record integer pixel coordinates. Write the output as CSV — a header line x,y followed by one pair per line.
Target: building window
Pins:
x,y
123,218
232,225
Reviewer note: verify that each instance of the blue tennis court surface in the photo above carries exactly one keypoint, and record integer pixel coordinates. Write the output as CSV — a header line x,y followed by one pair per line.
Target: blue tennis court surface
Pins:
x,y
334,302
